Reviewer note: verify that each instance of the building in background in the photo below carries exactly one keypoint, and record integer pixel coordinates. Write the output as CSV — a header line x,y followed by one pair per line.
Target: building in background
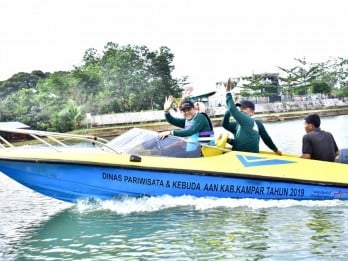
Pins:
x,y
13,136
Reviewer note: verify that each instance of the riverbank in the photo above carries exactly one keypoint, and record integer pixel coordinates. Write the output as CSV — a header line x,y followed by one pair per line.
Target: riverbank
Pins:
x,y
116,130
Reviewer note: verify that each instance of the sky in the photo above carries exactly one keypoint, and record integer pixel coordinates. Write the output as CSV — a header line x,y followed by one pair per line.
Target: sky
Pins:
x,y
211,40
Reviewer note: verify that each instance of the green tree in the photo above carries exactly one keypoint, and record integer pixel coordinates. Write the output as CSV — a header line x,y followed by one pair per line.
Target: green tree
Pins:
x,y
298,80
265,84
69,117
20,81
320,87
120,79
53,94
161,83
337,74
134,71
89,82
18,106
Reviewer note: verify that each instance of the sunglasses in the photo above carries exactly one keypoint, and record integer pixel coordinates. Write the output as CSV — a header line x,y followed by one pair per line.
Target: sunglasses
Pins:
x,y
186,110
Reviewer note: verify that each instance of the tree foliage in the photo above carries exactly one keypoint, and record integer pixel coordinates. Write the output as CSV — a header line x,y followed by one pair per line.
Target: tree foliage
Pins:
x,y
135,78
326,78
307,78
121,79
20,81
265,84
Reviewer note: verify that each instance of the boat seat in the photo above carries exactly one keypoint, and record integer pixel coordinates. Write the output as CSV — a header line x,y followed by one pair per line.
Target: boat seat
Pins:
x,y
218,149
343,156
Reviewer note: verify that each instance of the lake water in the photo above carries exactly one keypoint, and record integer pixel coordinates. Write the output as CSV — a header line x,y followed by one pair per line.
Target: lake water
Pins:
x,y
34,227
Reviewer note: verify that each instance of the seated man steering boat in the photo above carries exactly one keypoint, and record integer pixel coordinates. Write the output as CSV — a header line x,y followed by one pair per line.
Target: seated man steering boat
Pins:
x,y
194,126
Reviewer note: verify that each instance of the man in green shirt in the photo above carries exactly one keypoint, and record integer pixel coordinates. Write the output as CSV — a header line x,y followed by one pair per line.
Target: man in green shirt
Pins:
x,y
192,125
246,130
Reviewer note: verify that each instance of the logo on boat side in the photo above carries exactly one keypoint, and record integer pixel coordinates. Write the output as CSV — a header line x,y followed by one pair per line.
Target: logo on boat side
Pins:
x,y
254,161
340,195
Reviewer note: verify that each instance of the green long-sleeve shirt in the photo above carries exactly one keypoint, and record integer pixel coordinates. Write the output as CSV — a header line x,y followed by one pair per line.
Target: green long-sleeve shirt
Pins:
x,y
246,130
198,123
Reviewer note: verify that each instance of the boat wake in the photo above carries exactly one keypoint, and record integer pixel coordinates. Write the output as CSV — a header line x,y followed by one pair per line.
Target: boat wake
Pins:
x,y
125,206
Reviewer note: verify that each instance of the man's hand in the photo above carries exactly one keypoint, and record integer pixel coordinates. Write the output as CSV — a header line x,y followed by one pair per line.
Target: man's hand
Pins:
x,y
278,152
163,134
228,85
187,93
168,103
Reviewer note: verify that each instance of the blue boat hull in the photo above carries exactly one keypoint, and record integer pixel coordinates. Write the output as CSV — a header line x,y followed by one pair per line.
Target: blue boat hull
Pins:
x,y
71,182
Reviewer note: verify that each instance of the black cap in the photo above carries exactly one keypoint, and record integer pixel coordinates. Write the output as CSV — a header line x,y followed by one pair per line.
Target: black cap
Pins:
x,y
313,119
247,104
187,105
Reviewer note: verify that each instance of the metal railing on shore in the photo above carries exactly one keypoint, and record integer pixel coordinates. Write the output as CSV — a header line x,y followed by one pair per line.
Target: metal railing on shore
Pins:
x,y
161,125
158,116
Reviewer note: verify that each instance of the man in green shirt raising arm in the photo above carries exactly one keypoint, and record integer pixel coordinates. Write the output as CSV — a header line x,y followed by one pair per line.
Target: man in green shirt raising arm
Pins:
x,y
193,125
247,130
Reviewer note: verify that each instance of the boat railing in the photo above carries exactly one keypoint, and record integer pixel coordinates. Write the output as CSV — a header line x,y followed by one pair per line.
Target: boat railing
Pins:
x,y
54,140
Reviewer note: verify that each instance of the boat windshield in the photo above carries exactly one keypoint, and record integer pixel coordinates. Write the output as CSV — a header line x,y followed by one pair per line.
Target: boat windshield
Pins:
x,y
146,143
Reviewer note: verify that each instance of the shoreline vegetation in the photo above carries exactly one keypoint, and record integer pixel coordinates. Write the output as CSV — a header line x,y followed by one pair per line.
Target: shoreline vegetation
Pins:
x,y
128,84
118,129
109,132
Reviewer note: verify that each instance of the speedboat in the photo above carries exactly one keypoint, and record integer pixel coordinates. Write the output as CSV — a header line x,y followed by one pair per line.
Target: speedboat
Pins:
x,y
137,163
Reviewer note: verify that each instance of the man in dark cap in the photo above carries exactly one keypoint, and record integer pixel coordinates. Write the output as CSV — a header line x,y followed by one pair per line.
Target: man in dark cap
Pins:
x,y
246,104
191,125
316,143
246,130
